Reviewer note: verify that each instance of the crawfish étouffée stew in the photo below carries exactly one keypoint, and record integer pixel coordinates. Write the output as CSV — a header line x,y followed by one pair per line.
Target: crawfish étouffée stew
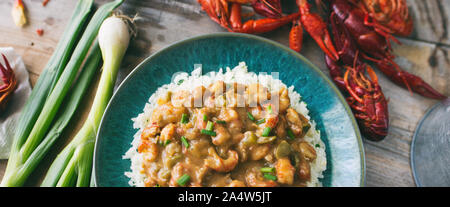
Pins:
x,y
221,143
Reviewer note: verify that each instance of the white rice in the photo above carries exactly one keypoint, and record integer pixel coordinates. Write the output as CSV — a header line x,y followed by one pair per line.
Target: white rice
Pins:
x,y
238,74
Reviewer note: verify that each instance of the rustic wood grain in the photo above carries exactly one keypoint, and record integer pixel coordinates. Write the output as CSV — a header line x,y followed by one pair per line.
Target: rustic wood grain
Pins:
x,y
164,22
431,18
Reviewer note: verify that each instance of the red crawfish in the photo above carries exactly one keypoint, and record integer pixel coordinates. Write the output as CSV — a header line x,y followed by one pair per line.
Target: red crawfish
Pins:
x,y
231,19
314,25
9,83
363,94
374,44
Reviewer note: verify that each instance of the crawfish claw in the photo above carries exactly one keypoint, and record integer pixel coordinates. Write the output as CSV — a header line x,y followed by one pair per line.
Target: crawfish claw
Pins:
x,y
317,28
217,10
409,81
421,87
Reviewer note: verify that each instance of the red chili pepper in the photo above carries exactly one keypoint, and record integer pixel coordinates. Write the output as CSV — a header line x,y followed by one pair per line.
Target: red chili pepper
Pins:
x,y
40,32
19,3
44,3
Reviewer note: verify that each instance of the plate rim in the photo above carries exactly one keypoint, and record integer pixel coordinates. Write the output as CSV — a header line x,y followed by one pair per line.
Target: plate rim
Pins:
x,y
414,139
259,38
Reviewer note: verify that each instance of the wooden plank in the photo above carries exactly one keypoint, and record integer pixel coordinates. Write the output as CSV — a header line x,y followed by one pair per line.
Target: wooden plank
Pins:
x,y
35,49
431,20
166,21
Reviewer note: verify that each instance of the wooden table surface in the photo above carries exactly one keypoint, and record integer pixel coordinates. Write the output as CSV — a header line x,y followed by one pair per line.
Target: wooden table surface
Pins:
x,y
163,22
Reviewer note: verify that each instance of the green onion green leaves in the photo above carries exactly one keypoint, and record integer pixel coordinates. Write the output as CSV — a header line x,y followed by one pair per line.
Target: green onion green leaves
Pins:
x,y
207,132
270,176
184,141
183,180
267,169
250,116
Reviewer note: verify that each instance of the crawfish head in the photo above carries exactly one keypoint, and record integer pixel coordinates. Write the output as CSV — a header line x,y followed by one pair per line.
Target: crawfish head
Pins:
x,y
394,15
367,102
9,83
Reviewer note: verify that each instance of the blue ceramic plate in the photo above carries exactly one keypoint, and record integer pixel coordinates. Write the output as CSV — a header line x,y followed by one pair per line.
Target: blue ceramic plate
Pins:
x,y
344,149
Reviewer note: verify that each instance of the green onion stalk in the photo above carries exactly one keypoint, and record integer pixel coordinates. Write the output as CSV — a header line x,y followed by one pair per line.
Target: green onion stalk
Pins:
x,y
73,166
45,83
33,141
22,171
